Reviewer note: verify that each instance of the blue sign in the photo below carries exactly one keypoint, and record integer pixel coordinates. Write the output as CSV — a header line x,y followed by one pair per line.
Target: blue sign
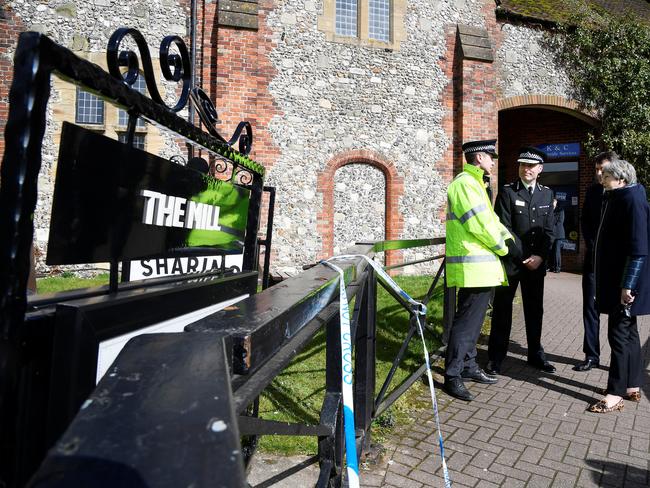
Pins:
x,y
561,150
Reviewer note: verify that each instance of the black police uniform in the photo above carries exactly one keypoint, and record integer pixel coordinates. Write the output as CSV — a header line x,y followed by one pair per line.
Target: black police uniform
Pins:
x,y
529,217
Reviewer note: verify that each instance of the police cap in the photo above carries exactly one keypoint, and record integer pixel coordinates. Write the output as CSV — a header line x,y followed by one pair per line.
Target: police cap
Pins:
x,y
489,146
531,155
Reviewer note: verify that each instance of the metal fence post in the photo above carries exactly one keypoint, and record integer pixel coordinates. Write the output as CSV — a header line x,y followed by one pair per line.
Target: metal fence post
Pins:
x,y
330,449
364,363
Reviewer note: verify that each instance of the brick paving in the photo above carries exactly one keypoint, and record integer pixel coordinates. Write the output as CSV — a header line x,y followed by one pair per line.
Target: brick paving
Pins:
x,y
531,429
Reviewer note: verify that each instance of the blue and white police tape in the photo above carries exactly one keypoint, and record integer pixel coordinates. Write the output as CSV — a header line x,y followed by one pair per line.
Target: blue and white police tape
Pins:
x,y
346,382
419,310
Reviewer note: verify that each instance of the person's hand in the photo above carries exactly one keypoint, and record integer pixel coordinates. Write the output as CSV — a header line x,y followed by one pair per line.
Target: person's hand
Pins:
x,y
533,262
626,296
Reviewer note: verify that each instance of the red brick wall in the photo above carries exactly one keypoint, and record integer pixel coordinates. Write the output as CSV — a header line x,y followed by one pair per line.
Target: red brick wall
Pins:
x,y
394,190
234,69
235,73
531,127
469,99
10,28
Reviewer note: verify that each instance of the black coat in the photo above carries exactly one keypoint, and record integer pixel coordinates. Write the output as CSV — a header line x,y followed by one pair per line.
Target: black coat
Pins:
x,y
528,218
589,221
558,224
624,231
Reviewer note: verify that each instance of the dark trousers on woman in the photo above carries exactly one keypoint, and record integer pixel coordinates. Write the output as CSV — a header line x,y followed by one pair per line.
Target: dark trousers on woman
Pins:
x,y
470,313
625,368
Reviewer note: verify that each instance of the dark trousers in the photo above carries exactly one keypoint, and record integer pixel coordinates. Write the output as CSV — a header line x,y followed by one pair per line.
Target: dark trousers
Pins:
x,y
532,293
470,314
625,368
590,317
556,255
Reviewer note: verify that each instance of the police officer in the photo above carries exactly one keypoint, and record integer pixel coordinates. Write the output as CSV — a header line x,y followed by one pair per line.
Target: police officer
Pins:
x,y
526,209
474,241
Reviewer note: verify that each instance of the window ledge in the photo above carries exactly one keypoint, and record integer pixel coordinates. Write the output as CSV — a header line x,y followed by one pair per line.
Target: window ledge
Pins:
x,y
327,25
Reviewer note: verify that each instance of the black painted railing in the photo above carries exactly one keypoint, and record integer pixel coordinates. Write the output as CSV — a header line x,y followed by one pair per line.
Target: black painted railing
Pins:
x,y
190,400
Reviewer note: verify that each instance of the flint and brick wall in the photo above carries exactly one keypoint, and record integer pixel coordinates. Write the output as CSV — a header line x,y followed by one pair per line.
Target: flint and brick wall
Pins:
x,y
317,103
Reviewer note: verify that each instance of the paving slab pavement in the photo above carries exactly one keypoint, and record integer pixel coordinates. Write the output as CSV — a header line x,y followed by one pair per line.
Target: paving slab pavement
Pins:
x,y
531,429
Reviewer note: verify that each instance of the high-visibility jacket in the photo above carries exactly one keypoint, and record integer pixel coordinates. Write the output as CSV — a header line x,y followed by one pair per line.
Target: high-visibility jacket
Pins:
x,y
474,236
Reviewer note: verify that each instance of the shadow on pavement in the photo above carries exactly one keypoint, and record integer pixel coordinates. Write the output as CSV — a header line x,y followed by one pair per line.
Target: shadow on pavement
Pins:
x,y
520,370
612,473
517,348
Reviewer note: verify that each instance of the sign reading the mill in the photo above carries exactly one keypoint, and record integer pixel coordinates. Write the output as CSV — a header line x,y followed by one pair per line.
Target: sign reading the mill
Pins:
x,y
114,202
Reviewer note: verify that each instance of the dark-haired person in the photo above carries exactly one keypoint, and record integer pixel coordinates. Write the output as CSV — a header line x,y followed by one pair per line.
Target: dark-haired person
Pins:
x,y
589,220
622,271
526,209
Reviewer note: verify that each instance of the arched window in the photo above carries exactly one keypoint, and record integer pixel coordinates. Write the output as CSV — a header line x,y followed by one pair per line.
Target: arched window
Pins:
x,y
359,205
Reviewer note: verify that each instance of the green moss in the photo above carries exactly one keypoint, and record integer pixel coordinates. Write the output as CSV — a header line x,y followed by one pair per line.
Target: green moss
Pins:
x,y
563,11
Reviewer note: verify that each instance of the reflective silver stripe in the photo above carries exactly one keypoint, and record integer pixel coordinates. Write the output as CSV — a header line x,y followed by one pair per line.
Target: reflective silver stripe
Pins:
x,y
451,216
472,259
471,212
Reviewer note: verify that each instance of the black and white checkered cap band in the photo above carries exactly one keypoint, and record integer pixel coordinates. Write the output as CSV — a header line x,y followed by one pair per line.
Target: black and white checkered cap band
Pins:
x,y
487,148
530,158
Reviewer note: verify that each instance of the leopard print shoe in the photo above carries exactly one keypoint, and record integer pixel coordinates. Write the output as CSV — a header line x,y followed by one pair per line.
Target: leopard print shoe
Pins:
x,y
601,407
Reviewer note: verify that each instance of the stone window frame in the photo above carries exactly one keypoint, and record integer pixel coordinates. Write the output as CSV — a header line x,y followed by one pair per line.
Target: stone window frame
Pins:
x,y
64,110
139,139
327,25
140,85
101,107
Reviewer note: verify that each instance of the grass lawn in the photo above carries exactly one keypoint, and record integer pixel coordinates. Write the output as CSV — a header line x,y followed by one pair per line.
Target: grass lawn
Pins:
x,y
68,281
296,395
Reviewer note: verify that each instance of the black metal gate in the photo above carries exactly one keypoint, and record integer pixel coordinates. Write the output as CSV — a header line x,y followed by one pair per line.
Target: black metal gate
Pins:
x,y
172,409
113,203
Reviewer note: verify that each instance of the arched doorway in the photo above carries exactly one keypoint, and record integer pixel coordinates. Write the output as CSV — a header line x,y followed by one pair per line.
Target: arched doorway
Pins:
x,y
560,132
359,205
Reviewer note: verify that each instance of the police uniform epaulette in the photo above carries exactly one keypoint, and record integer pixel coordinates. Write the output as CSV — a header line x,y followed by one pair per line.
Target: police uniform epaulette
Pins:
x,y
508,184
545,187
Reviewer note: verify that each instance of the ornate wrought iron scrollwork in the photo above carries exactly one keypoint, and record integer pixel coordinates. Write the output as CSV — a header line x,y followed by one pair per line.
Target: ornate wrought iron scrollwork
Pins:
x,y
174,67
208,115
242,176
220,167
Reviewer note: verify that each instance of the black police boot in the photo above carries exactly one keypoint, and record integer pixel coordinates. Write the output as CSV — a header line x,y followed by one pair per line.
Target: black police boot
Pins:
x,y
479,376
586,365
542,365
456,388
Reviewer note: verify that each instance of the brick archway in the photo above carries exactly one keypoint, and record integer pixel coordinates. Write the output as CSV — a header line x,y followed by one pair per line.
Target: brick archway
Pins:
x,y
394,189
549,102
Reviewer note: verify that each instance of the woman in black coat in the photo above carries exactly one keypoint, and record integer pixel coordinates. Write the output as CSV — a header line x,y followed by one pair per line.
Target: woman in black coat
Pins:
x,y
622,271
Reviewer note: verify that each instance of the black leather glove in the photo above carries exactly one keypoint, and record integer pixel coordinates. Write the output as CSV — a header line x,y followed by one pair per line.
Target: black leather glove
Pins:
x,y
515,252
